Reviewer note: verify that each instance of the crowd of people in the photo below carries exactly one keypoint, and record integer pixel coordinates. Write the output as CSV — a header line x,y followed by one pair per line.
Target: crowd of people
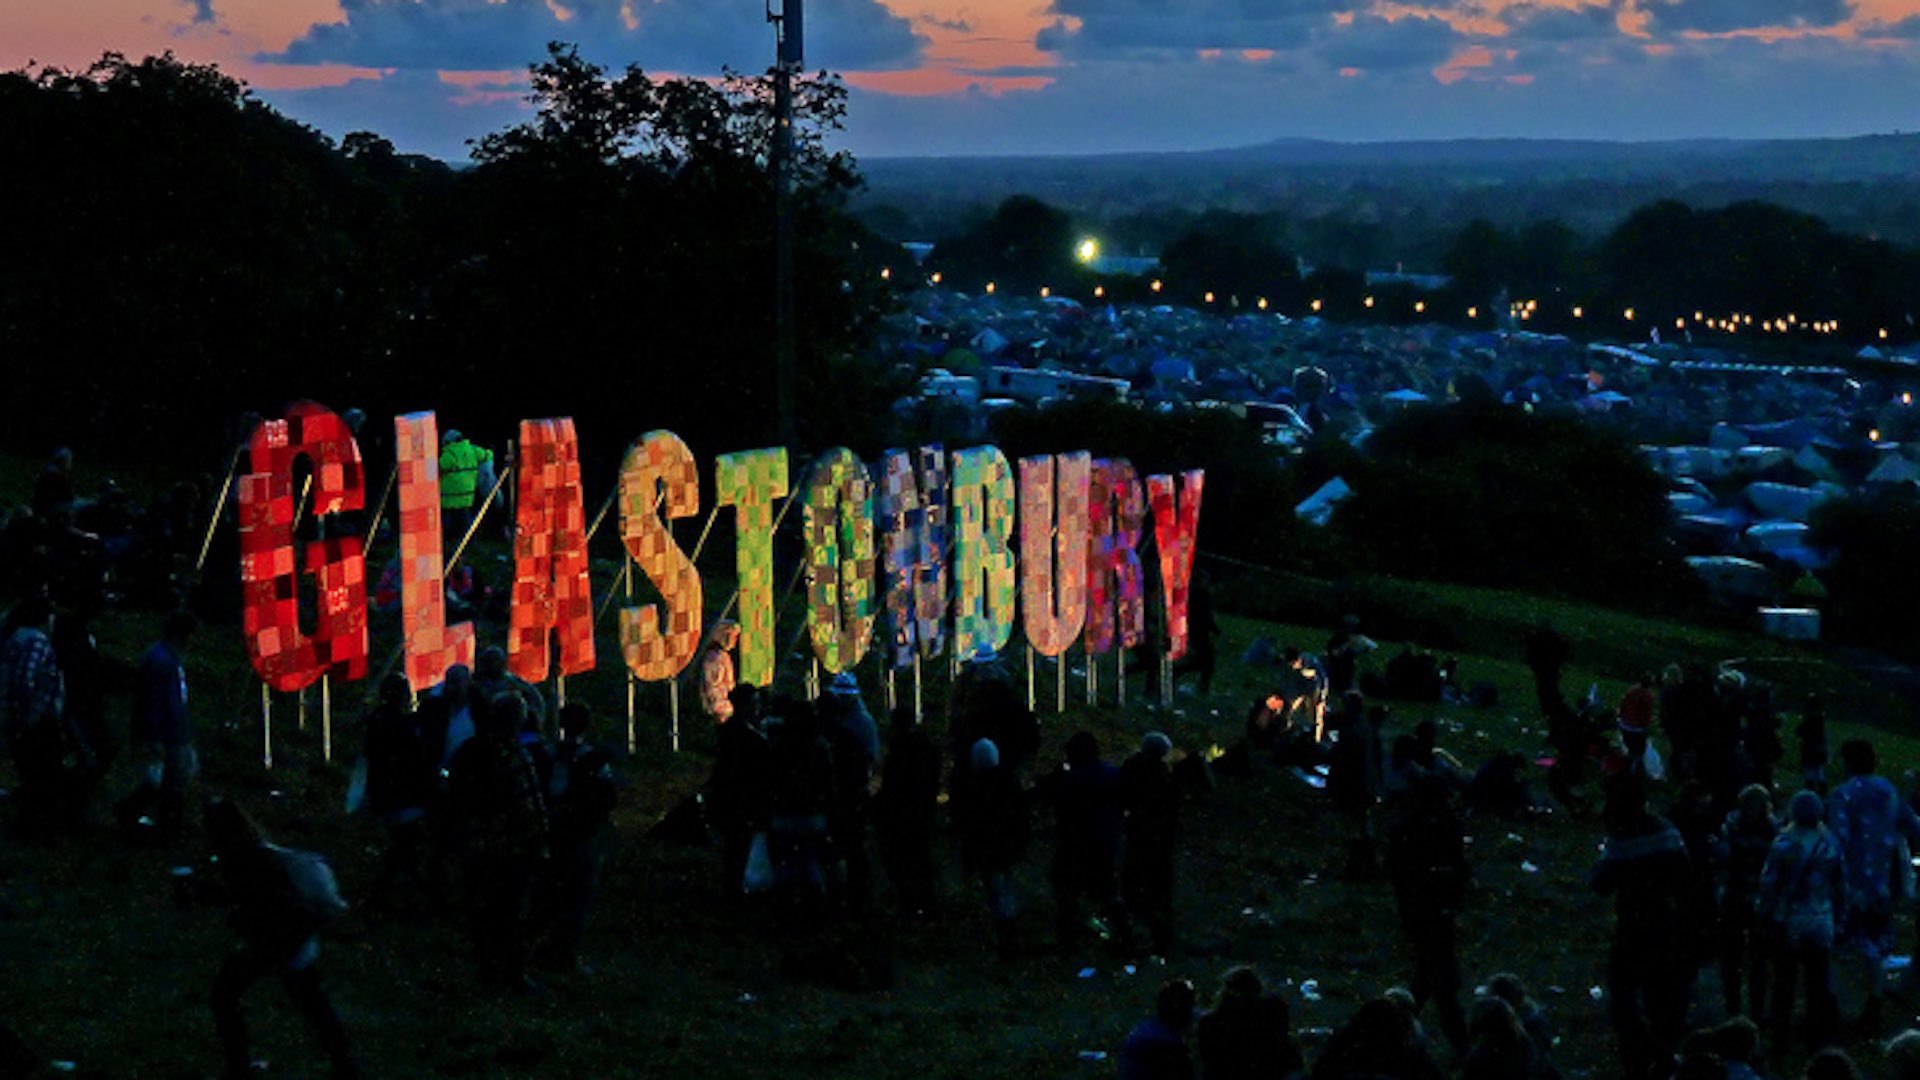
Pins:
x,y
1769,869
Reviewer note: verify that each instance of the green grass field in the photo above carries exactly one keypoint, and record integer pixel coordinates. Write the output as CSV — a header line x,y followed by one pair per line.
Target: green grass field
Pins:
x,y
102,968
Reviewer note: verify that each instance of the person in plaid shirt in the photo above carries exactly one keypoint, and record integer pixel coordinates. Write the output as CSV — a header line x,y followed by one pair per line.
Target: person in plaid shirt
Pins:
x,y
32,706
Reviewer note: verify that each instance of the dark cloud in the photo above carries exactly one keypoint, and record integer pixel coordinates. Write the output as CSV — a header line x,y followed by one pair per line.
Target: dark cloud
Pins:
x,y
1907,29
1724,16
202,11
414,110
1372,43
959,24
669,35
1532,22
1119,28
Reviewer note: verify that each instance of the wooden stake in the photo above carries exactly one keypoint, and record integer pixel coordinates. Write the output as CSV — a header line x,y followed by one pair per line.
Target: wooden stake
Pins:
x,y
1030,698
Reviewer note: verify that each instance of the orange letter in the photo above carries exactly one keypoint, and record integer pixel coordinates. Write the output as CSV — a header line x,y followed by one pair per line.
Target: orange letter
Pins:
x,y
660,467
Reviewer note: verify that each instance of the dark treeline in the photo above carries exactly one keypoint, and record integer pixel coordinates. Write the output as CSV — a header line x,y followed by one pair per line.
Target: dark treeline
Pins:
x,y
1381,204
1667,261
180,252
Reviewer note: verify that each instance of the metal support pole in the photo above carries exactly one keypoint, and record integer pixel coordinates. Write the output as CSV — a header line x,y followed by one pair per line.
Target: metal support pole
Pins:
x,y
673,714
1060,682
633,737
1120,674
787,31
300,710
266,726
326,719
918,715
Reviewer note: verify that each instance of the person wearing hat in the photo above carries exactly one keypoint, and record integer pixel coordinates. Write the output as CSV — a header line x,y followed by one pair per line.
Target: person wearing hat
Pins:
x,y
1803,891
1152,806
995,829
461,463
855,742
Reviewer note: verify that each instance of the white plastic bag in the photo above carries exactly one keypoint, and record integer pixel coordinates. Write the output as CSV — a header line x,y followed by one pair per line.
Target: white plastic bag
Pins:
x,y
759,875
357,786
1656,768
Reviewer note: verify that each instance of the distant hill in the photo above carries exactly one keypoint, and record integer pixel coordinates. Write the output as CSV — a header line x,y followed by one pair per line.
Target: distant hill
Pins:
x,y
1869,184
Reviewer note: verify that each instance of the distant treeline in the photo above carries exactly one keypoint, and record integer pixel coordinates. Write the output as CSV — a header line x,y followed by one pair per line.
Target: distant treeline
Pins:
x,y
1764,268
1375,205
179,254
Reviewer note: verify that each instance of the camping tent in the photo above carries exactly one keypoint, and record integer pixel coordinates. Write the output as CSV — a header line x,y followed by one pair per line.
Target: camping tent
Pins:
x,y
1317,508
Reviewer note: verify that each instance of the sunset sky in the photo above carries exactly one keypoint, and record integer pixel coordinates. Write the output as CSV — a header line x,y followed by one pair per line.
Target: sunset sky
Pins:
x,y
1067,76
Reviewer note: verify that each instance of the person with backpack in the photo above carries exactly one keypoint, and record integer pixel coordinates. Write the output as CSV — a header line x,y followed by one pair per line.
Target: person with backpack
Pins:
x,y
497,821
282,899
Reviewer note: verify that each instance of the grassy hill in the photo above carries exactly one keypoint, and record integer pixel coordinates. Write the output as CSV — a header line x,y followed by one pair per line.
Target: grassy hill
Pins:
x,y
104,969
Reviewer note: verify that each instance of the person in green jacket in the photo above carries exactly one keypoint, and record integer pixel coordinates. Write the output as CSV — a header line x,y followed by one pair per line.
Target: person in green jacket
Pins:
x,y
461,466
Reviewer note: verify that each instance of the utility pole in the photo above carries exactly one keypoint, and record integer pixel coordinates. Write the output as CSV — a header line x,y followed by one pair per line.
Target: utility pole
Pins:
x,y
787,26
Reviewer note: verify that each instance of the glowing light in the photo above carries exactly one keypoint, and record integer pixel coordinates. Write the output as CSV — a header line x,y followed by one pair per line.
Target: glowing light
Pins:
x,y
1473,313
1579,312
935,279
1315,305
1156,286
1088,250
1262,303
1883,333
1906,398
989,288
1679,324
1209,297
1045,291
1874,435
1099,291
1629,314
1369,301
1419,306
1697,317
886,273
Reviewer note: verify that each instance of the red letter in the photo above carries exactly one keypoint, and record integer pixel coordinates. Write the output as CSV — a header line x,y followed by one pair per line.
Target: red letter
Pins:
x,y
432,645
1174,531
1113,561
550,589
287,659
